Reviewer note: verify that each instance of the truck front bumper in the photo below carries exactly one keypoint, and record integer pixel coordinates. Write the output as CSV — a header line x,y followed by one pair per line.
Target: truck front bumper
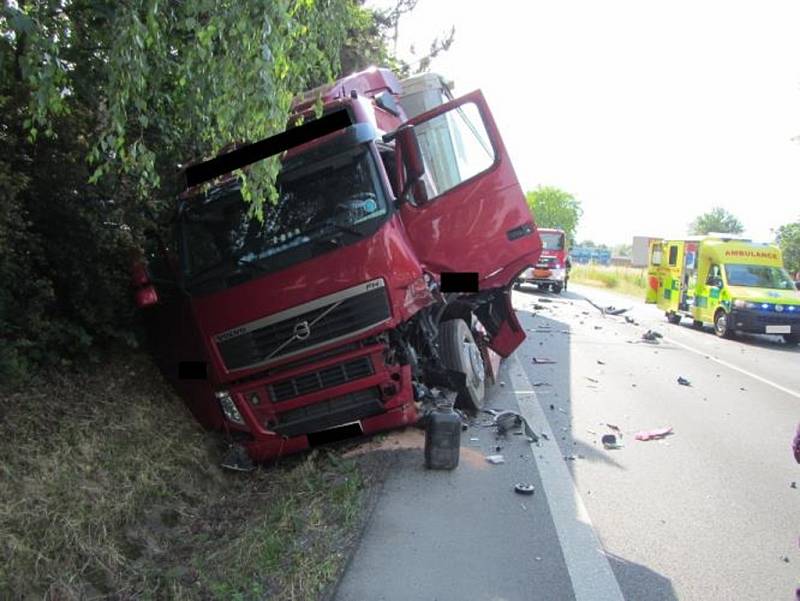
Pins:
x,y
340,396
757,322
542,276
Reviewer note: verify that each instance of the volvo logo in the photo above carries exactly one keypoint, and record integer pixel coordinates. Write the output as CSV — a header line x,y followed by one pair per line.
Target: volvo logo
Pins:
x,y
301,330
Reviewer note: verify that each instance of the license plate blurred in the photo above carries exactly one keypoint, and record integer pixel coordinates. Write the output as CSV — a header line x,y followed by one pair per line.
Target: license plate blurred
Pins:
x,y
541,273
779,329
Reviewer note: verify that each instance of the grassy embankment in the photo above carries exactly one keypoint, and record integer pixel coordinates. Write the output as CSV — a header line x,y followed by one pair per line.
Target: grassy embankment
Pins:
x,y
109,490
625,280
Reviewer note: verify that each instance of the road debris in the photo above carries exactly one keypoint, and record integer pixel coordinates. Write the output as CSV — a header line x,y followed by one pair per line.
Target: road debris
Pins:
x,y
545,436
537,384
657,434
793,484
615,428
651,336
612,310
683,381
601,362
598,327
524,488
542,360
631,320
610,442
592,380
495,459
552,407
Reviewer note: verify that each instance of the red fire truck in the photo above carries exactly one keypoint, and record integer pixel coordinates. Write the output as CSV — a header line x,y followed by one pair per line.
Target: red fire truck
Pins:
x,y
552,270
382,271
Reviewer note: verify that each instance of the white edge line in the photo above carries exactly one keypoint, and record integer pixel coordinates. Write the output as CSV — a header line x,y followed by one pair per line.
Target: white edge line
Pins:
x,y
734,367
589,570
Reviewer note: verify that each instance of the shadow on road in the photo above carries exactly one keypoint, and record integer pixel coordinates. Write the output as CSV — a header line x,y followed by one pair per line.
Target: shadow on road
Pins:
x,y
551,338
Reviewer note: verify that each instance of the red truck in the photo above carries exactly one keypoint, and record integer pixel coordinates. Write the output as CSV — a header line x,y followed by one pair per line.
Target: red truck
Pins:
x,y
382,271
552,269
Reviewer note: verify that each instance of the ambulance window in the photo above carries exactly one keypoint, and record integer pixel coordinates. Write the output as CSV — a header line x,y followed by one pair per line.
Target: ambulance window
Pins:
x,y
655,258
714,276
673,255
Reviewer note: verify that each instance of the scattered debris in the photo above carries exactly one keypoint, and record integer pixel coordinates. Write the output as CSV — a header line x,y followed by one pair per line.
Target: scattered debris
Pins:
x,y
615,428
542,360
545,300
598,327
683,381
793,484
585,312
651,336
590,431
523,488
569,457
502,384
592,380
562,410
537,384
743,389
545,436
653,434
784,559
495,459
601,362
631,320
506,421
612,310
610,442
552,407
538,307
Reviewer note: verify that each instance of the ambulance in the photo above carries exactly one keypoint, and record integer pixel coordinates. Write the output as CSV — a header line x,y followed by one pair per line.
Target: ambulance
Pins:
x,y
729,282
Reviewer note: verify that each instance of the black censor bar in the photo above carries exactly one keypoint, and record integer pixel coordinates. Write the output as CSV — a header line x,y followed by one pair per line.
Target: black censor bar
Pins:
x,y
246,155
459,281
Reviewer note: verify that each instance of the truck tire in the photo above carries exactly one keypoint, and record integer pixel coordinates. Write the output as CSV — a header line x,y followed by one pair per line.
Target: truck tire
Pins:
x,y
674,317
722,327
791,338
461,353
556,288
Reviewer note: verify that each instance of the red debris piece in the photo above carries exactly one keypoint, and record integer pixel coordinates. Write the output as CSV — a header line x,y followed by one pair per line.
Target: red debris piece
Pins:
x,y
653,434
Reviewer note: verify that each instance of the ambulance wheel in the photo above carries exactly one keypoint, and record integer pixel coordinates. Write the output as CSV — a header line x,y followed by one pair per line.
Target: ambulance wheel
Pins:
x,y
791,338
722,326
697,324
461,353
674,317
556,288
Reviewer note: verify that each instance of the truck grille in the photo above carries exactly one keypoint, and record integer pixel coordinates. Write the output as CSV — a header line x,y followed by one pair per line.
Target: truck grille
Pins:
x,y
306,327
327,414
319,380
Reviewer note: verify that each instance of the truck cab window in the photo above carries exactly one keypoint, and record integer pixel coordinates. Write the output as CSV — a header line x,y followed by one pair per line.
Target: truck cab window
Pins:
x,y
455,147
390,165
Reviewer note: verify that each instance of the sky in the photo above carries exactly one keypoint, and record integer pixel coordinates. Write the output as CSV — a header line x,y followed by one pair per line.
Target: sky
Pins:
x,y
649,113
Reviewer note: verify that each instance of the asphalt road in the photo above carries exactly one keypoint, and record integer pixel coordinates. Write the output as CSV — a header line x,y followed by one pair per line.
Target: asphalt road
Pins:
x,y
706,513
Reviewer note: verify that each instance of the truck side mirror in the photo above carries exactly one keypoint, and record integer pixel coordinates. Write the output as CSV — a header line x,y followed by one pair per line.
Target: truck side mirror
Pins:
x,y
413,163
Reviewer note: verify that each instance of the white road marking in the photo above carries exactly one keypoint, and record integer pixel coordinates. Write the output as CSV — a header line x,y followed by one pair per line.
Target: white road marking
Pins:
x,y
589,570
734,367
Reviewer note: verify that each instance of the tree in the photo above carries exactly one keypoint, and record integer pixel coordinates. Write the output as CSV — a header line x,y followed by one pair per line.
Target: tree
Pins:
x,y
555,208
623,250
716,220
788,238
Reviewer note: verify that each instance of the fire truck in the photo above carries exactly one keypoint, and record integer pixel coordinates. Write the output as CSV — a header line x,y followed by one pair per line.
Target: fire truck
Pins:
x,y
552,270
382,272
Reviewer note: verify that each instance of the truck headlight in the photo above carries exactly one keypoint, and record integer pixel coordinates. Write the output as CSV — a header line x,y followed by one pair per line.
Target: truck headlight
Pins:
x,y
229,408
558,274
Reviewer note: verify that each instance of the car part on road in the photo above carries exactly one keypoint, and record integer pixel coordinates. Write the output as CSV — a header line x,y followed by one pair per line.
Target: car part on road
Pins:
x,y
495,459
683,381
610,442
651,336
237,460
653,434
524,489
542,360
674,318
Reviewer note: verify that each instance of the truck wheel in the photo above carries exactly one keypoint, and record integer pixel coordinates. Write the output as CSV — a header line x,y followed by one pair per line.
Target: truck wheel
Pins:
x,y
556,288
461,353
674,317
722,326
791,338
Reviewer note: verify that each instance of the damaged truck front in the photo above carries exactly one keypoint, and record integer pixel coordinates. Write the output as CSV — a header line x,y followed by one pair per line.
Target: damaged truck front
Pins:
x,y
382,271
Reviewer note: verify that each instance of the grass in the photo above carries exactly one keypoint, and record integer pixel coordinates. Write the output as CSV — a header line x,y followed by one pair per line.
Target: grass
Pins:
x,y
109,490
626,280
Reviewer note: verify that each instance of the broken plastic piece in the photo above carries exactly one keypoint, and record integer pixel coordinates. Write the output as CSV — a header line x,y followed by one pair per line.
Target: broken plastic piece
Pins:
x,y
237,459
610,442
683,381
542,360
523,488
653,434
495,459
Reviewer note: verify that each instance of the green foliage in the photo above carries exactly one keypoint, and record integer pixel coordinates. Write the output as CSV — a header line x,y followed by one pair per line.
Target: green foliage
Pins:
x,y
555,208
788,238
716,220
623,250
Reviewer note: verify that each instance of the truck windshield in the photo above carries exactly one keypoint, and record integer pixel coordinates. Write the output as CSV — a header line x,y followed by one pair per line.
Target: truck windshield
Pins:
x,y
324,201
552,240
758,276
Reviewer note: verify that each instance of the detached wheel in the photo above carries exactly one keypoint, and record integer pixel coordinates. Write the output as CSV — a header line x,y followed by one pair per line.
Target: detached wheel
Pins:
x,y
674,318
791,338
461,353
722,324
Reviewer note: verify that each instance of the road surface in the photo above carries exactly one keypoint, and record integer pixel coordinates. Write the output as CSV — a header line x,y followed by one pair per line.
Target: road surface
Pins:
x,y
709,512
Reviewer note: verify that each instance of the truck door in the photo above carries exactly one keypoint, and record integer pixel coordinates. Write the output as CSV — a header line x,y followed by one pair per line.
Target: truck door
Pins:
x,y
475,218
